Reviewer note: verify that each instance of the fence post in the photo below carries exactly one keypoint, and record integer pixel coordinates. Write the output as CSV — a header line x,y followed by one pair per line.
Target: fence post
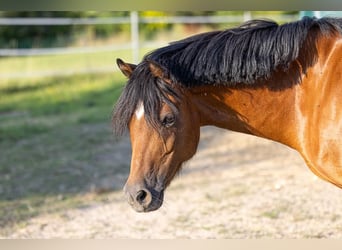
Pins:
x,y
247,15
317,14
135,36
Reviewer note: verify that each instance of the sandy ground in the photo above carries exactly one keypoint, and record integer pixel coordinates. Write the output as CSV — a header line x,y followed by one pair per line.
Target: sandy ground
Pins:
x,y
237,186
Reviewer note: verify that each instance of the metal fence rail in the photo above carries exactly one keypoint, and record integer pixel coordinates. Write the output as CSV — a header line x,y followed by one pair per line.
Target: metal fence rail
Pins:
x,y
17,21
60,51
44,21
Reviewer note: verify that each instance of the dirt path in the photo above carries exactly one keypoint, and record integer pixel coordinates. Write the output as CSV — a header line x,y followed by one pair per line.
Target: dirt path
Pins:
x,y
237,186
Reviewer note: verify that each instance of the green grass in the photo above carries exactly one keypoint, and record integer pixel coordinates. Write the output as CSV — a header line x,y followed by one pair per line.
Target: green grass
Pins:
x,y
53,133
276,212
64,62
77,99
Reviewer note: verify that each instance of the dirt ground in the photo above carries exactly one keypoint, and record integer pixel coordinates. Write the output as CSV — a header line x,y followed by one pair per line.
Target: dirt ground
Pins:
x,y
237,186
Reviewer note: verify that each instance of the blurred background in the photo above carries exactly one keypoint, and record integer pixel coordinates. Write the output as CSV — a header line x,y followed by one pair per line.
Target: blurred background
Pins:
x,y
58,85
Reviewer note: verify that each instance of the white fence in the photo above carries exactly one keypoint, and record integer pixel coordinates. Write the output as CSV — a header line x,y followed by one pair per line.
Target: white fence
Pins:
x,y
134,20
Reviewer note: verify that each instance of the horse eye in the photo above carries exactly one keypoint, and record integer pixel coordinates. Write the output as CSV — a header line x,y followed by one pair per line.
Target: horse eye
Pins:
x,y
168,120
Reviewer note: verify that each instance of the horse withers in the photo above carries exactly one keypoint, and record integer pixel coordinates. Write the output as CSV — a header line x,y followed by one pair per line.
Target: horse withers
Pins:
x,y
280,82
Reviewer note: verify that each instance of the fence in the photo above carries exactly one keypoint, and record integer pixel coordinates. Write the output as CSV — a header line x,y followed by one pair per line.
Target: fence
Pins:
x,y
133,20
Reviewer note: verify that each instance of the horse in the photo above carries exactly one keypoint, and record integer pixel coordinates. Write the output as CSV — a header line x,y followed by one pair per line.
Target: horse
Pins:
x,y
279,82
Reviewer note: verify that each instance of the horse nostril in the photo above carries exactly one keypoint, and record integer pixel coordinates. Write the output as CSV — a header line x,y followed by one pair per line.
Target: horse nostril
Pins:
x,y
143,197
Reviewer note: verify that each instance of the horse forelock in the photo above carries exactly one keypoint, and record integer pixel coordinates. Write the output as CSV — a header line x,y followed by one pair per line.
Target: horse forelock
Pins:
x,y
143,90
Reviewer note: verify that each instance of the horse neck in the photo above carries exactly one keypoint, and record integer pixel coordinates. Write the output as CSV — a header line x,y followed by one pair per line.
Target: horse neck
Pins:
x,y
270,109
259,111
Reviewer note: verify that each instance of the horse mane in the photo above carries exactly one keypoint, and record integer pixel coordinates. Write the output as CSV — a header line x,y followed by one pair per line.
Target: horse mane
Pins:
x,y
246,54
250,52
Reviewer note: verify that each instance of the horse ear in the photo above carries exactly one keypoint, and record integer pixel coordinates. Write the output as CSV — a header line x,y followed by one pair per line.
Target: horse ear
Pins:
x,y
158,70
126,68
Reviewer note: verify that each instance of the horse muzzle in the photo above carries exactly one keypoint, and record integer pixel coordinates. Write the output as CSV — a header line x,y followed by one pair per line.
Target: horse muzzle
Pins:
x,y
143,199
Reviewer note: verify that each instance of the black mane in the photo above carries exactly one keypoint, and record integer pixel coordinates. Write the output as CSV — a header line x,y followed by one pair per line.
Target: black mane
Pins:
x,y
246,54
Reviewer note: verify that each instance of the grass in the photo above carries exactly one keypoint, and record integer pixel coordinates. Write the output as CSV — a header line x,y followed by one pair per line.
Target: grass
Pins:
x,y
53,133
275,213
10,65
76,99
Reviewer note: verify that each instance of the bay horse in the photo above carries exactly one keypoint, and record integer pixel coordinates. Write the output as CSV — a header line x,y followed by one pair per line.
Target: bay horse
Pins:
x,y
280,82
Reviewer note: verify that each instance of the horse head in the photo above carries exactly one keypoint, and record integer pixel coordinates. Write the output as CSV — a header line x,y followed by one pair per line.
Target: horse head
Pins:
x,y
164,132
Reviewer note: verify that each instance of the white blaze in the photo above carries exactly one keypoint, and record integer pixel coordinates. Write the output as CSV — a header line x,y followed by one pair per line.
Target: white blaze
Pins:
x,y
140,111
